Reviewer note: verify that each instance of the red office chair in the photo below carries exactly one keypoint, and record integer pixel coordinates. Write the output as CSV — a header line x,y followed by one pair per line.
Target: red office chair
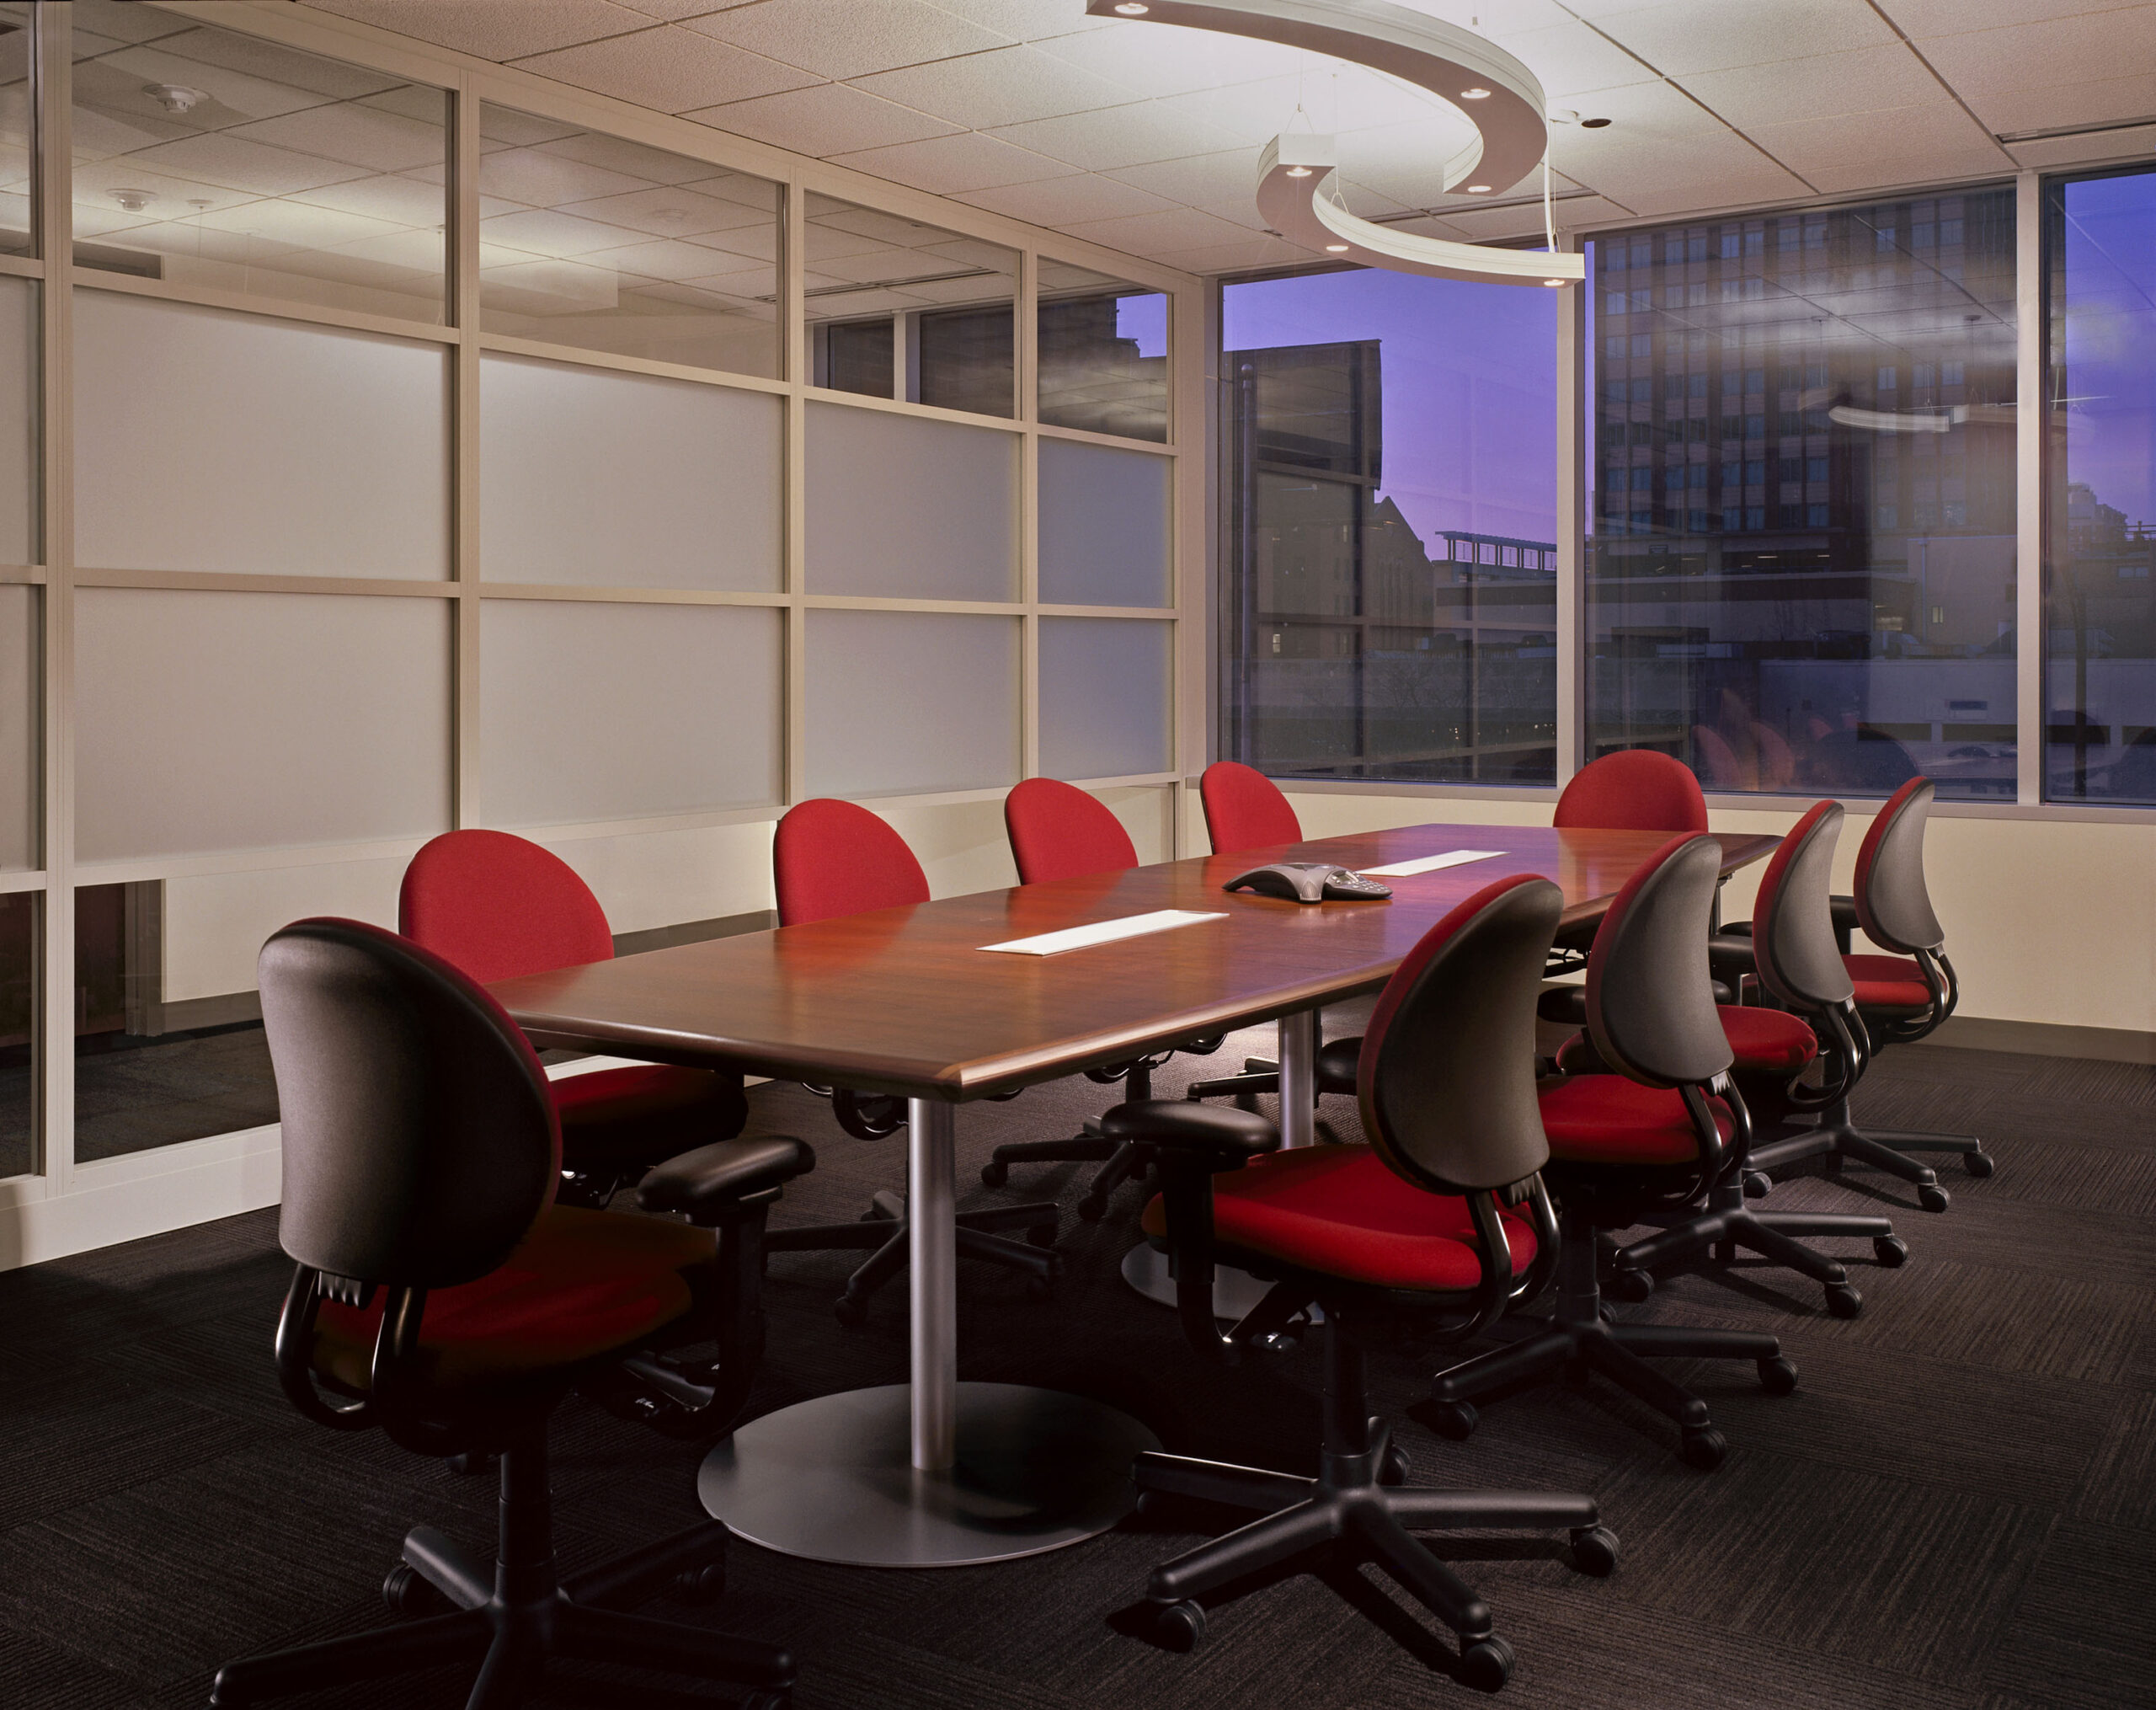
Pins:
x,y
830,858
1634,790
1441,1213
1771,1049
1059,831
444,1296
1655,1134
1245,810
496,906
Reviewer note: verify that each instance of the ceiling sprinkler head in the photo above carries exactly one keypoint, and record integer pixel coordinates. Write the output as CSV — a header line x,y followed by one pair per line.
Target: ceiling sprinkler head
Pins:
x,y
175,97
1564,116
134,200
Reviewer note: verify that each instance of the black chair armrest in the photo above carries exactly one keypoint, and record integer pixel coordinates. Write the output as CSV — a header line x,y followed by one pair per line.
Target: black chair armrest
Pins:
x,y
1844,911
1338,1061
1567,1006
708,1181
1732,956
1227,1136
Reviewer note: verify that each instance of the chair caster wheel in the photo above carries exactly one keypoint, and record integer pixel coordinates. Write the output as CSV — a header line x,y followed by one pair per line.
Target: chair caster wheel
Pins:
x,y
1890,1251
1092,1210
1485,1664
1629,1282
1843,1301
1453,1420
700,1584
1757,1184
1594,1550
1703,1447
1042,1234
410,1593
1179,1626
1778,1376
849,1310
1393,1469
1933,1199
1978,1164
1605,1311
994,1175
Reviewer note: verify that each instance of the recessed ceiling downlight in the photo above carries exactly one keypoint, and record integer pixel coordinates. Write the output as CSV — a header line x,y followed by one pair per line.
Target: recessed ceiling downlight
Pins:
x,y
1133,8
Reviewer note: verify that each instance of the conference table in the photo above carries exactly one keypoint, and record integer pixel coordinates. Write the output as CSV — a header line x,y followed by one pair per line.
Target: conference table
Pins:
x,y
911,1002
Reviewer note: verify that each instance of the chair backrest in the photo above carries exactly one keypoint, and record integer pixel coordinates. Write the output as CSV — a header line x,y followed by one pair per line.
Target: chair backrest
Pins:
x,y
833,857
1059,831
1650,995
1793,943
420,1140
497,905
1893,905
1245,810
1636,790
1447,1074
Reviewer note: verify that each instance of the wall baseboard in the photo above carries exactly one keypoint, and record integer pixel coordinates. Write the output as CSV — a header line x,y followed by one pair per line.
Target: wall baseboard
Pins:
x,y
2045,1039
245,1173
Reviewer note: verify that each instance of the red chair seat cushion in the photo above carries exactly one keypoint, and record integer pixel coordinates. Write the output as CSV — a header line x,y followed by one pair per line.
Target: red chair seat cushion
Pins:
x,y
1608,1120
1769,1041
581,1285
644,1113
1338,1209
1888,983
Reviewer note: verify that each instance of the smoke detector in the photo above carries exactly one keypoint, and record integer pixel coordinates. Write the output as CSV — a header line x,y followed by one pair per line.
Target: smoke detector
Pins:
x,y
134,200
175,97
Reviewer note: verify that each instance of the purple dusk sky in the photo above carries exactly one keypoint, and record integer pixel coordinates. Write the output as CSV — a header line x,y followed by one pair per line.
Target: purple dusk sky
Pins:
x,y
2111,341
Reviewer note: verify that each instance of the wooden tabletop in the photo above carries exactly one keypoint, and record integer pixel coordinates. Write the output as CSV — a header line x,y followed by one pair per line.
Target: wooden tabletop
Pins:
x,y
906,1001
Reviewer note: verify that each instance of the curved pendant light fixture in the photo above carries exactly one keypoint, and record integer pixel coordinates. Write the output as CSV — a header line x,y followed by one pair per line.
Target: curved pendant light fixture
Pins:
x,y
1493,91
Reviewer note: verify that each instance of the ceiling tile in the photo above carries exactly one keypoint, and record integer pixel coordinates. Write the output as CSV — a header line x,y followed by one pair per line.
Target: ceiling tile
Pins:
x,y
1157,59
494,29
232,162
828,119
1710,35
1200,180
1025,20
674,11
670,69
1949,17
1235,258
1736,189
1176,228
386,142
1113,137
946,165
1061,202
1866,80
1569,57
2093,45
1004,86
1892,139
849,38
1352,98
2054,106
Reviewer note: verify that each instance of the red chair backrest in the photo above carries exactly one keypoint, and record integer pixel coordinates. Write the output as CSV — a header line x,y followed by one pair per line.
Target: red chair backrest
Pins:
x,y
496,906
1636,789
1059,831
1893,905
1793,943
1245,810
832,858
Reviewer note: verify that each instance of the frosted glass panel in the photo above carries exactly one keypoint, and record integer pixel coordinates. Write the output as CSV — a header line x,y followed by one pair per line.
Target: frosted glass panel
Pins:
x,y
1104,526
622,480
18,726
912,508
911,700
243,721
1104,696
590,711
205,440
19,416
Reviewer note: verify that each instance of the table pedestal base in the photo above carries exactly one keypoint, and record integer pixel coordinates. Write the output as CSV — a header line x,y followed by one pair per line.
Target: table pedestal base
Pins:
x,y
832,1480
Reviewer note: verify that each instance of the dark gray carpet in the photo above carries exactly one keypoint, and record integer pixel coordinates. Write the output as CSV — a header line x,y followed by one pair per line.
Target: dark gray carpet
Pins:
x,y
1956,1511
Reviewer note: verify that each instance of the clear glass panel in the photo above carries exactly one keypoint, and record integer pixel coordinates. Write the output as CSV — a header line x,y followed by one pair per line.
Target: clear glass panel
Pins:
x,y
18,165
911,700
1103,354
20,726
168,1042
601,478
668,709
900,309
1389,529
905,507
1104,696
1800,576
1103,525
211,721
2100,706
18,1032
590,240
213,159
20,534
205,440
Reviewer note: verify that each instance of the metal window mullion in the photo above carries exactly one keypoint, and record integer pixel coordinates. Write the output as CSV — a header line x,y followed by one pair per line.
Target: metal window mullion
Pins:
x,y
793,235
55,1083
1572,416
1025,330
2030,338
464,570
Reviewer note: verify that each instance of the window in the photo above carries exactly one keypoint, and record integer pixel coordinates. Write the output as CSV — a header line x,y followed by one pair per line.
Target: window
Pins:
x,y
1389,439
2100,611
1103,355
1843,619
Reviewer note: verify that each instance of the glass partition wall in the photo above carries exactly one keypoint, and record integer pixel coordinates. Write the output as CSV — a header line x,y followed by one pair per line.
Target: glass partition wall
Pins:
x,y
378,458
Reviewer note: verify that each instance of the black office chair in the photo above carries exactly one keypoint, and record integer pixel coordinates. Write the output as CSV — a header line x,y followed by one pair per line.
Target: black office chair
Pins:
x,y
1437,1215
441,1295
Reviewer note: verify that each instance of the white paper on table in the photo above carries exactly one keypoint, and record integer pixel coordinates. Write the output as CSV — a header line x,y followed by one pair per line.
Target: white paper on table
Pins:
x,y
1429,864
1134,926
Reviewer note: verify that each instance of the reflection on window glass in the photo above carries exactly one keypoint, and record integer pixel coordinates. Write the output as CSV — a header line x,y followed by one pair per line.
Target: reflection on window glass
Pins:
x,y
220,160
18,167
151,1070
604,244
1103,354
17,1031
900,309
2099,706
1800,576
1390,528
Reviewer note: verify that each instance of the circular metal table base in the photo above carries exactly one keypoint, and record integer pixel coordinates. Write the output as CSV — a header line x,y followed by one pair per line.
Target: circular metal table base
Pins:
x,y
832,1479
1234,1292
